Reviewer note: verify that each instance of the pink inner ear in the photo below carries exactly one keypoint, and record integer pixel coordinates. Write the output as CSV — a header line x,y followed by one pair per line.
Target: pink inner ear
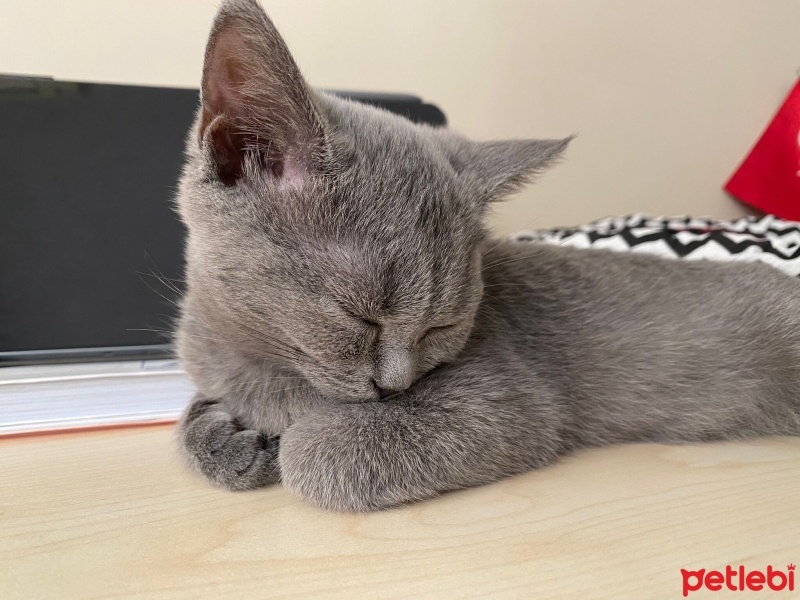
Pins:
x,y
231,147
224,106
227,150
223,78
291,171
287,170
253,109
225,73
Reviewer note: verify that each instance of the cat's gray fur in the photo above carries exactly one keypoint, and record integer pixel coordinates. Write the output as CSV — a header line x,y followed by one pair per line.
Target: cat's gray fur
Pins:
x,y
326,238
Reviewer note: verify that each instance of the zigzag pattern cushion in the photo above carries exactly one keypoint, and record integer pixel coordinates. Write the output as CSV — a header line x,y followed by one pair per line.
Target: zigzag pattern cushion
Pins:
x,y
769,239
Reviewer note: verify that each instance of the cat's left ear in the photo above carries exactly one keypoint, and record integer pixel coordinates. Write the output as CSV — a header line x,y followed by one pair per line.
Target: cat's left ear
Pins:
x,y
257,110
496,169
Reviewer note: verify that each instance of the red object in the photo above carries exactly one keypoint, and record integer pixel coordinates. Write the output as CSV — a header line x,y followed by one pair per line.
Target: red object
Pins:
x,y
769,177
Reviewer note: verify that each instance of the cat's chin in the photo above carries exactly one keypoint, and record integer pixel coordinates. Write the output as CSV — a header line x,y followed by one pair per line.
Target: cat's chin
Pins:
x,y
375,396
357,399
341,395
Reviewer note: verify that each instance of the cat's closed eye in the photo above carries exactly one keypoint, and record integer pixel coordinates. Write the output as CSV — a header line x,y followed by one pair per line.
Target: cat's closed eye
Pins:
x,y
434,330
357,316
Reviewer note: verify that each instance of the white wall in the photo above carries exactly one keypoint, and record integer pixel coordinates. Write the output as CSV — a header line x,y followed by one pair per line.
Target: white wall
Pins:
x,y
667,95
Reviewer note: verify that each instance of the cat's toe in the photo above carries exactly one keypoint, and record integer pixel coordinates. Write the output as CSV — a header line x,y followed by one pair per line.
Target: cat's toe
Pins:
x,y
249,460
217,446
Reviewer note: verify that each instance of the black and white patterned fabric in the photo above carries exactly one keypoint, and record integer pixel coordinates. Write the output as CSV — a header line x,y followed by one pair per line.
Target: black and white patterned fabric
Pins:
x,y
769,239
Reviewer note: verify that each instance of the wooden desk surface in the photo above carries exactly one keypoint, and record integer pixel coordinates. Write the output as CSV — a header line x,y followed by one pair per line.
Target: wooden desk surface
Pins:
x,y
113,515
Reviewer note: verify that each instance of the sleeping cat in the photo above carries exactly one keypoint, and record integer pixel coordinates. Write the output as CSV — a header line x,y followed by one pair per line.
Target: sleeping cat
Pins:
x,y
355,334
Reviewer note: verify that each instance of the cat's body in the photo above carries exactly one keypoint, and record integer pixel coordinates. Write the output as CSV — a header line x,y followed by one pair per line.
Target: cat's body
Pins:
x,y
343,295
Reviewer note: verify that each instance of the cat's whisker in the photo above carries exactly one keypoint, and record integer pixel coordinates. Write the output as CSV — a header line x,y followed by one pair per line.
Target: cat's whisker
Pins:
x,y
261,385
278,352
506,239
506,304
527,256
275,346
519,258
273,353
172,333
160,275
167,281
172,302
498,322
163,331
277,349
508,260
283,344
164,281
269,339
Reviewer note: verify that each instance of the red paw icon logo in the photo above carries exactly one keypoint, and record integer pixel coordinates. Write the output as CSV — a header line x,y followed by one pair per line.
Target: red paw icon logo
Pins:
x,y
739,579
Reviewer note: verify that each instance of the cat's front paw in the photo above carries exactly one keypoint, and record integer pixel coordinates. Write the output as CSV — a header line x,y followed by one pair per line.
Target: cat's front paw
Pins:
x,y
218,446
355,458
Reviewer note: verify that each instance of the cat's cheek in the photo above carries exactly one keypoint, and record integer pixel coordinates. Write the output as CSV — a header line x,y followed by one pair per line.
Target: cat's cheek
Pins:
x,y
436,353
337,391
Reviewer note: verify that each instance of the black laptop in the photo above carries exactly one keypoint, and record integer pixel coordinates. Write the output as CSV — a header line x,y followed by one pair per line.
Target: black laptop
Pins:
x,y
91,251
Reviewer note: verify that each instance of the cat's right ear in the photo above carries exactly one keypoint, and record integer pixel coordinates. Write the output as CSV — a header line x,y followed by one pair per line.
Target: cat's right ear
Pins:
x,y
493,170
257,111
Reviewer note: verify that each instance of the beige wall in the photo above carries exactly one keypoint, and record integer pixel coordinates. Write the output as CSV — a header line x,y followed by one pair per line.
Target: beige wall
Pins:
x,y
667,96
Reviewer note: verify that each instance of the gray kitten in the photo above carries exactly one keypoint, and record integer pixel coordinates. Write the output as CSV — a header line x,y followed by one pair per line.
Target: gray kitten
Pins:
x,y
355,334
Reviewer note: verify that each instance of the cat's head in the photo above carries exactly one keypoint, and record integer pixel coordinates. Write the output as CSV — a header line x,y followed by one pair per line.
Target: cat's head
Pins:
x,y
334,237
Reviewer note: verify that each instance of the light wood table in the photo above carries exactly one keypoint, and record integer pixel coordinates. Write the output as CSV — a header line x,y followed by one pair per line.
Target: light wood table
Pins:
x,y
114,515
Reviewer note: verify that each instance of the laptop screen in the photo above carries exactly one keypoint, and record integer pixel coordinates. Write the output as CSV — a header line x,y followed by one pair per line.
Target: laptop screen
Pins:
x,y
90,247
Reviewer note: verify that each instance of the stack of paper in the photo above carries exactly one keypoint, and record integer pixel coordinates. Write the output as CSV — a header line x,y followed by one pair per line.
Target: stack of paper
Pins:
x,y
90,395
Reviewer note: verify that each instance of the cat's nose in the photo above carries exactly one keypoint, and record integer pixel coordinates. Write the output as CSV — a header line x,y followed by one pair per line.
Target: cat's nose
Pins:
x,y
394,372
